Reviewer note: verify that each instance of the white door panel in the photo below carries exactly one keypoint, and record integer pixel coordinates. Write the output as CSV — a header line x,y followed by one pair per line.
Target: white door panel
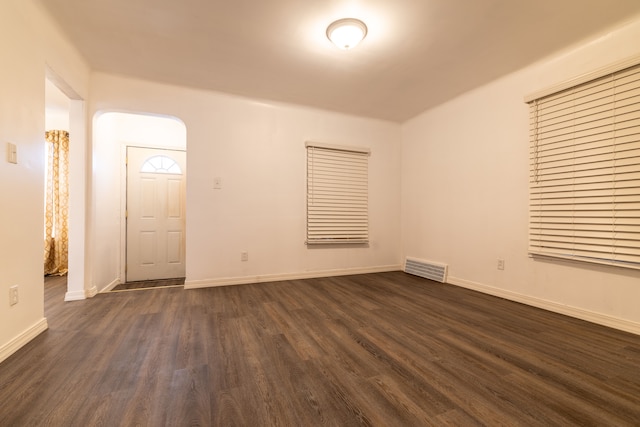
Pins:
x,y
155,213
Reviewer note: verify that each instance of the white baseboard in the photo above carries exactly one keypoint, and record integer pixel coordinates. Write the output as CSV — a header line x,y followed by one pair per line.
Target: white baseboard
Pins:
x,y
81,295
579,313
244,280
18,342
111,285
75,295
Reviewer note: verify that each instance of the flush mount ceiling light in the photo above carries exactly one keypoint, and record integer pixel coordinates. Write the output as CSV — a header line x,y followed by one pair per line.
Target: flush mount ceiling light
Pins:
x,y
346,33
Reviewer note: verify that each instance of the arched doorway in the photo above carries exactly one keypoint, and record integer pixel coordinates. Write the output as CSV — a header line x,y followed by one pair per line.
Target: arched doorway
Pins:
x,y
114,134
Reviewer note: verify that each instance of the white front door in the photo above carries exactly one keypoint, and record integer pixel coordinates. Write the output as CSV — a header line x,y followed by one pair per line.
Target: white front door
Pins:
x,y
156,183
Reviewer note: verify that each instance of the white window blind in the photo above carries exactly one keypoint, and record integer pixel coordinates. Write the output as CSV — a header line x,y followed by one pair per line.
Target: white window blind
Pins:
x,y
337,194
585,171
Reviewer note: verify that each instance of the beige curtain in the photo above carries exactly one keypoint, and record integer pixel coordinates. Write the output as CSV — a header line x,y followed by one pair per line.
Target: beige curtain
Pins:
x,y
56,244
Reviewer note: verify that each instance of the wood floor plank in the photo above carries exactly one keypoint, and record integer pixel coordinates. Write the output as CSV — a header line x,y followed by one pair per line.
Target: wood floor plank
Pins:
x,y
385,349
305,347
191,403
574,379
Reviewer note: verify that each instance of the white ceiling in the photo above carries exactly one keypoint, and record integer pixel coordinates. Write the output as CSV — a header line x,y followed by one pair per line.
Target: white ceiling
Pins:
x,y
418,53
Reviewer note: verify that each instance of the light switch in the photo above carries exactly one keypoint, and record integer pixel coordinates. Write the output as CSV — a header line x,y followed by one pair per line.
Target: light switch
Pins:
x,y
12,153
217,183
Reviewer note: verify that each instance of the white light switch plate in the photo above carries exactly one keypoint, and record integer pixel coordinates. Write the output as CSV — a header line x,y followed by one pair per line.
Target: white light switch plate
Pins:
x,y
12,153
217,183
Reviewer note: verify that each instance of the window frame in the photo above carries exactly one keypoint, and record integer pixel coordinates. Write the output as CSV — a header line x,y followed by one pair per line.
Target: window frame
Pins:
x,y
589,179
337,194
163,169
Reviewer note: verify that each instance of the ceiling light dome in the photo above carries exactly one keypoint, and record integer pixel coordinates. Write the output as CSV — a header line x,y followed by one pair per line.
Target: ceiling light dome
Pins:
x,y
346,33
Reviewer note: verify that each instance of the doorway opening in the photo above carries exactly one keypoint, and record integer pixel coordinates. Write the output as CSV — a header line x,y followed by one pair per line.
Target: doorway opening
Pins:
x,y
64,111
140,177
56,196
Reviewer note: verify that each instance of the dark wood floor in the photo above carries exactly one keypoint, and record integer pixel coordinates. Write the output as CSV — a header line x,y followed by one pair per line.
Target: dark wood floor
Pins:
x,y
383,349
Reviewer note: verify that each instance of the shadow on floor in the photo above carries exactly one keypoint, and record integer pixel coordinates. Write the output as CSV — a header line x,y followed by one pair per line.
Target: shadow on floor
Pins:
x,y
148,284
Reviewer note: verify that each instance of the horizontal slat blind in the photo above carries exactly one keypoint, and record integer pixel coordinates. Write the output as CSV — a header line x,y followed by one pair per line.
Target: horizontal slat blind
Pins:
x,y
337,195
585,171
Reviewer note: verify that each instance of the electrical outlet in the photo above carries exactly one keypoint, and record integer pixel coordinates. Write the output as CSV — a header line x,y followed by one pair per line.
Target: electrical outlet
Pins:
x,y
244,256
13,295
500,264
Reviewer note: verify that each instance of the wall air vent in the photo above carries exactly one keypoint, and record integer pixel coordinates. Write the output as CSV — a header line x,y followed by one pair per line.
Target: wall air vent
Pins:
x,y
427,269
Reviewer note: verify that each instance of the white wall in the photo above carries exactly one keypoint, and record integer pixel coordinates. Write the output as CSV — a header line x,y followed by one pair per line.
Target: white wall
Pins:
x,y
258,150
465,193
57,107
28,41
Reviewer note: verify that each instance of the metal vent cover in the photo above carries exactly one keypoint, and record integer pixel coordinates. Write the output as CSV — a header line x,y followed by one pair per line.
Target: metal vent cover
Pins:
x,y
427,269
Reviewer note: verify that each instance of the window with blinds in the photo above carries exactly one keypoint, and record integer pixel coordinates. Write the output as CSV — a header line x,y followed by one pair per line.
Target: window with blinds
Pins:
x,y
337,194
585,171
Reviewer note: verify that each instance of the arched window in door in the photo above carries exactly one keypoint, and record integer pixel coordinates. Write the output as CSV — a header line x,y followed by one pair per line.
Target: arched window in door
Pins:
x,y
161,164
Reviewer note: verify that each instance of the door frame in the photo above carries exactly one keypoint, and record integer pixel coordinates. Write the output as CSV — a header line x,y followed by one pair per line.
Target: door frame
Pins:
x,y
124,145
79,283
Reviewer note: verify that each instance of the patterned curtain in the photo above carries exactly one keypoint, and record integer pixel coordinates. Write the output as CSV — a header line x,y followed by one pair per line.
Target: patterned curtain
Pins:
x,y
56,244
